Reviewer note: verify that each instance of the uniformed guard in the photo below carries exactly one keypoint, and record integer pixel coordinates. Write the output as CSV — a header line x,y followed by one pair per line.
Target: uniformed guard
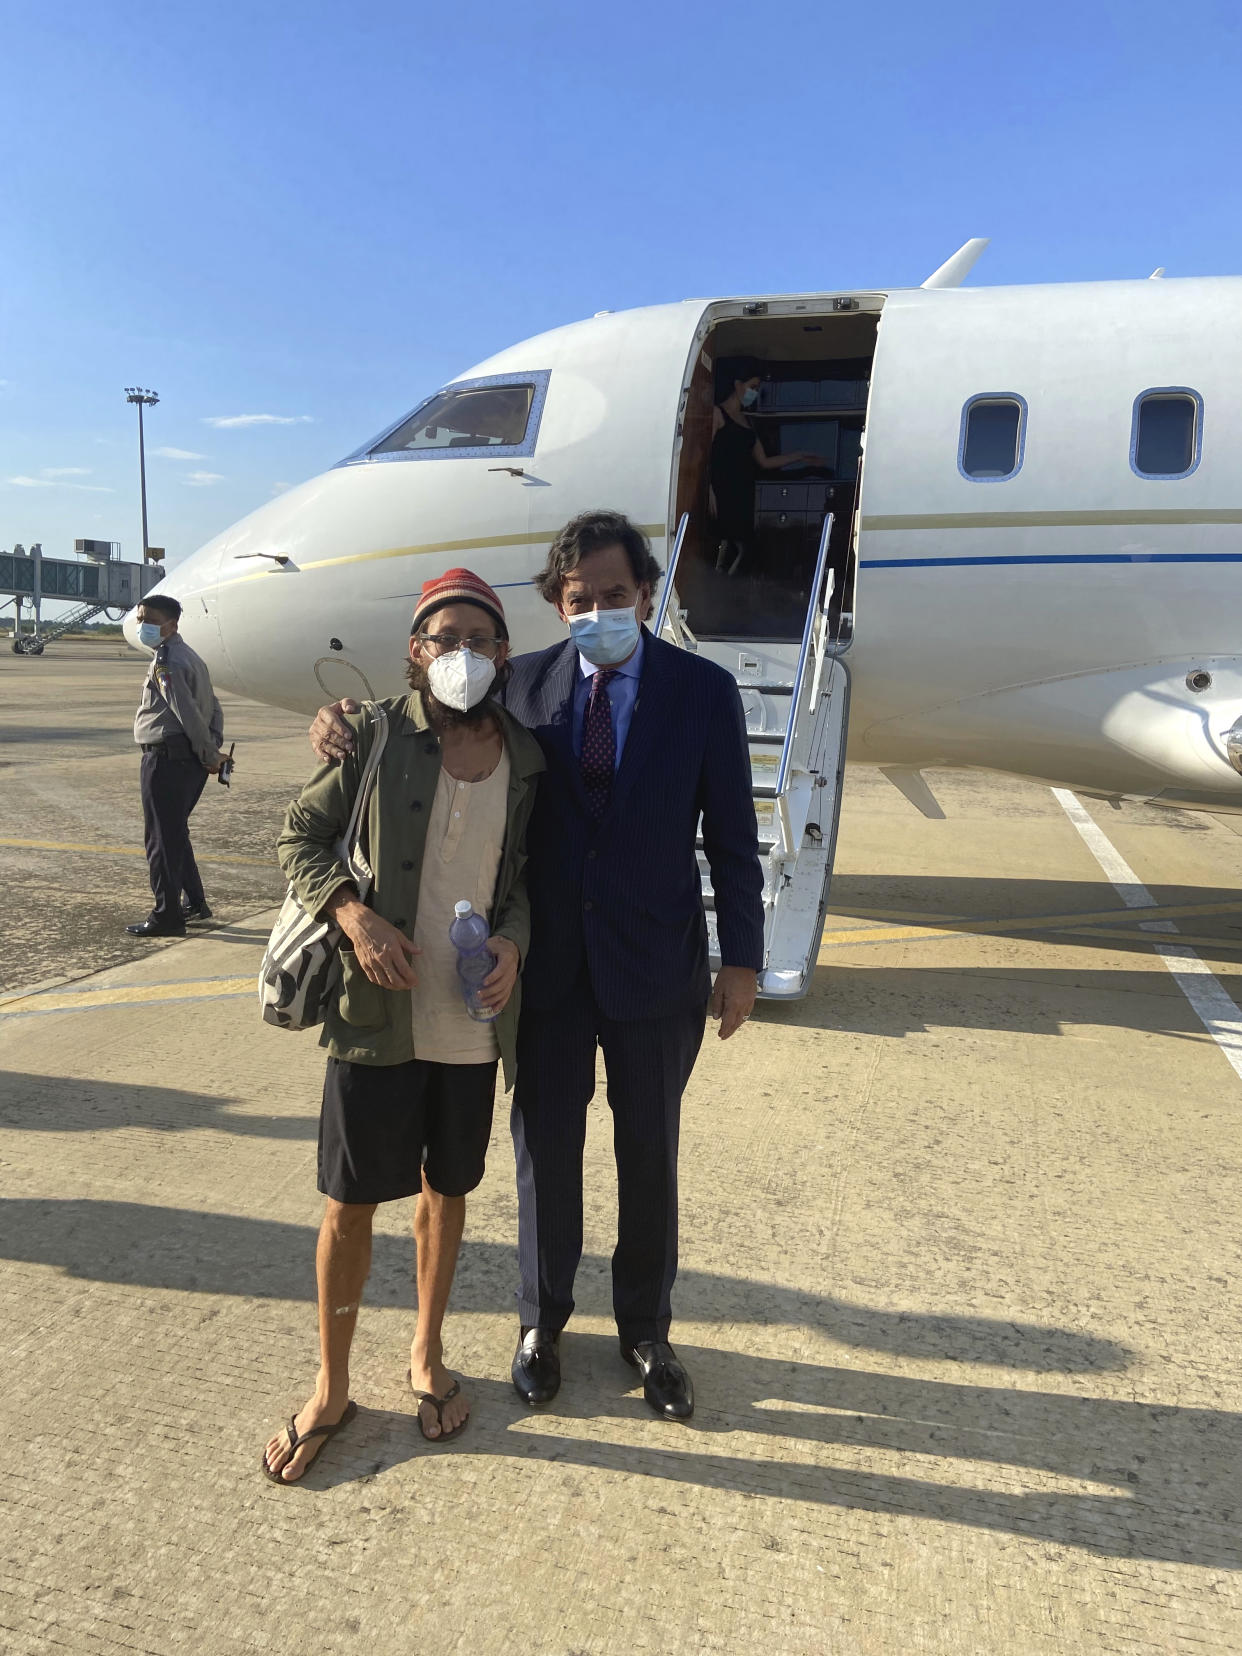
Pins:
x,y
179,727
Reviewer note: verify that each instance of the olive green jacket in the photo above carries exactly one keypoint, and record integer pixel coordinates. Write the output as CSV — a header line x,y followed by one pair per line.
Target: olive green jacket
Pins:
x,y
368,1024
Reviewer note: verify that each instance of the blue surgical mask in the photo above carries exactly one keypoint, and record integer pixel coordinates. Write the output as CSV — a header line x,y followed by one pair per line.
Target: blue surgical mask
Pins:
x,y
606,637
149,634
749,397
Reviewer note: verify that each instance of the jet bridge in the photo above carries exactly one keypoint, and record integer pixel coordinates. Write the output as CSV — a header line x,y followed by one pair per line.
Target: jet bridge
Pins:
x,y
102,583
796,699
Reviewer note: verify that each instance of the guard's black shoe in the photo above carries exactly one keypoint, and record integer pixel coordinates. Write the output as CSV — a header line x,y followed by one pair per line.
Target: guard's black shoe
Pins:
x,y
157,928
195,911
536,1367
666,1385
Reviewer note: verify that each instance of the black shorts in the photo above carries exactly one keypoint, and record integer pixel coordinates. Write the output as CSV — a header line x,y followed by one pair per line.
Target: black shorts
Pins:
x,y
382,1125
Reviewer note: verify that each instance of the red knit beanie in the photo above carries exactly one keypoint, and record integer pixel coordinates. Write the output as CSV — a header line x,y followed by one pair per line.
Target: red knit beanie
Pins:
x,y
458,586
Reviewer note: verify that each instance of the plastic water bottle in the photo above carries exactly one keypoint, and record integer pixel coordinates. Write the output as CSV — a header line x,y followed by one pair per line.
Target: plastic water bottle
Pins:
x,y
475,961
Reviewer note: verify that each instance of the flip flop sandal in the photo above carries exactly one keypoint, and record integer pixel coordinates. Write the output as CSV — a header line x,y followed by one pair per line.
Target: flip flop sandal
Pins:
x,y
296,1441
437,1404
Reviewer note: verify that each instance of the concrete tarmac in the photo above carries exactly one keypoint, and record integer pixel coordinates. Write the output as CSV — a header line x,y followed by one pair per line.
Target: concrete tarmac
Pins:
x,y
960,1235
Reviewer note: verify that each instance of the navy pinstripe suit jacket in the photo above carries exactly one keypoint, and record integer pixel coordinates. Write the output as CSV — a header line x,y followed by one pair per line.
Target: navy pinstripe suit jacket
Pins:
x,y
624,895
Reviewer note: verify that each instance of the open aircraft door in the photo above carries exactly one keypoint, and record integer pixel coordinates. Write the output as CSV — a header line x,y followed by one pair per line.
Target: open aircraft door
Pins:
x,y
607,434
796,703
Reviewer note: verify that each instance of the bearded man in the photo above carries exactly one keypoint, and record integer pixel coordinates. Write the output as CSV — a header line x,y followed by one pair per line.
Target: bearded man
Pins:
x,y
407,1101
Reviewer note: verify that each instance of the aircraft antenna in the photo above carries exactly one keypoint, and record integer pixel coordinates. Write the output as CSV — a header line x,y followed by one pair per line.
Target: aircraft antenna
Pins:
x,y
953,272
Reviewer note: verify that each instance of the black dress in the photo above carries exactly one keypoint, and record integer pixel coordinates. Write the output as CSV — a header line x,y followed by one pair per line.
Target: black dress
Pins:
x,y
732,471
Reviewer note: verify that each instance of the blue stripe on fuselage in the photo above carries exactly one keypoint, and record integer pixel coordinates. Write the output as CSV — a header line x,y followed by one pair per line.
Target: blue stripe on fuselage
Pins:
x,y
1055,558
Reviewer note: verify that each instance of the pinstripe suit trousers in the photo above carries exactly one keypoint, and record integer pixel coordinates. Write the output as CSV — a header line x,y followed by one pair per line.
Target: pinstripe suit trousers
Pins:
x,y
648,1063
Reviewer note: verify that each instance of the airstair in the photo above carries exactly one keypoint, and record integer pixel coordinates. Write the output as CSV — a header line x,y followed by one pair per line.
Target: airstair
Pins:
x,y
33,643
796,699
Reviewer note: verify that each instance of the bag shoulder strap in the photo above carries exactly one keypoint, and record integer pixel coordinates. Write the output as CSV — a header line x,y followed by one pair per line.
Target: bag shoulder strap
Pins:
x,y
370,771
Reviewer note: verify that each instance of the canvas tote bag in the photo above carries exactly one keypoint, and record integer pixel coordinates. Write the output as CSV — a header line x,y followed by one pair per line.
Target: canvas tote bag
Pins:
x,y
301,967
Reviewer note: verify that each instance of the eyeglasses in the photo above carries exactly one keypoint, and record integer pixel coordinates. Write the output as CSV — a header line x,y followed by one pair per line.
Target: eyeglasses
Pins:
x,y
446,642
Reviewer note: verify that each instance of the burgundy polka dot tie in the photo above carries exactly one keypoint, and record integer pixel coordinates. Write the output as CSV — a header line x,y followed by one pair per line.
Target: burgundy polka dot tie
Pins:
x,y
599,744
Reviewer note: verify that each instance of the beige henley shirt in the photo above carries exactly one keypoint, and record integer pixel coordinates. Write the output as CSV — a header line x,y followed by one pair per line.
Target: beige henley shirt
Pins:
x,y
465,839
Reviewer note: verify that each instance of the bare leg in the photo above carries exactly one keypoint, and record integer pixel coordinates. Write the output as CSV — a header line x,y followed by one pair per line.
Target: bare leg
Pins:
x,y
342,1262
438,1225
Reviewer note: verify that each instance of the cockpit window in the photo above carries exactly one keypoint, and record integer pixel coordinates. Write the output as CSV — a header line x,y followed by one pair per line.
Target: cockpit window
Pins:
x,y
483,417
992,440
497,416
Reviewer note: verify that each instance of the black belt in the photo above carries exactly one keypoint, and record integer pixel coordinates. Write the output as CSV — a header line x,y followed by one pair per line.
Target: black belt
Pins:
x,y
177,747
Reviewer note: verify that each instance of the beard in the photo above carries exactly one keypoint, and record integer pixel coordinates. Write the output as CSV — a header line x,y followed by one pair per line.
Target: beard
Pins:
x,y
440,717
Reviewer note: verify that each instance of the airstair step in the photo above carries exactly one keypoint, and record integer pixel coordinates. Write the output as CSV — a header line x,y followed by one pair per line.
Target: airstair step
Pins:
x,y
768,837
769,738
765,689
763,790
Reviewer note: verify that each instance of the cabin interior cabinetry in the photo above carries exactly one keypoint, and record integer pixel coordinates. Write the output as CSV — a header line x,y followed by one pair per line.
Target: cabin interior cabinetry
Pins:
x,y
814,378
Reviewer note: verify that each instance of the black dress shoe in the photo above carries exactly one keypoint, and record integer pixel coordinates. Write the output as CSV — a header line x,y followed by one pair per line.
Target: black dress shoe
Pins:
x,y
536,1367
195,911
157,928
666,1385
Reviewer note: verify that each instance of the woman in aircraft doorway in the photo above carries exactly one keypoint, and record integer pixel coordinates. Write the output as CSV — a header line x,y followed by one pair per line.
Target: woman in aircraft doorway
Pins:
x,y
736,455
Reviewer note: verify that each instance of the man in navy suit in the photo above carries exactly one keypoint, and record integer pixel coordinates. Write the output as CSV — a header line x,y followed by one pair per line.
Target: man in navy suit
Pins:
x,y
641,740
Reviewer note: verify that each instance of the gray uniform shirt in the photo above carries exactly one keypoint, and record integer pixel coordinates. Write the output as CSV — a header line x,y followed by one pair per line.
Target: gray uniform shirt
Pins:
x,y
177,700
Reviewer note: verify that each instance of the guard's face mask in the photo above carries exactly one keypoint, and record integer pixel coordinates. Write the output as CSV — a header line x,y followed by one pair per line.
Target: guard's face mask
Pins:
x,y
606,637
150,633
749,397
462,679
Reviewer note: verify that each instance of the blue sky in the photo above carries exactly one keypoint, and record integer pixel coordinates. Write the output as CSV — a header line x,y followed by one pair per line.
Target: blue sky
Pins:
x,y
284,211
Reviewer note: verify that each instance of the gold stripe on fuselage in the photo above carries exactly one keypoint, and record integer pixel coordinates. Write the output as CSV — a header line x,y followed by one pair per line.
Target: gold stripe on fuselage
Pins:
x,y
480,543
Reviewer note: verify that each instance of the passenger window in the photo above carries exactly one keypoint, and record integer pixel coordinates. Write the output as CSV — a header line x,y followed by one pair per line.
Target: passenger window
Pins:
x,y
991,444
465,417
1167,433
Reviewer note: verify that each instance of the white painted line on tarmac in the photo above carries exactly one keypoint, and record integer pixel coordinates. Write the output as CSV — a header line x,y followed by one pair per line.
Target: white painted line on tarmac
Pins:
x,y
1202,988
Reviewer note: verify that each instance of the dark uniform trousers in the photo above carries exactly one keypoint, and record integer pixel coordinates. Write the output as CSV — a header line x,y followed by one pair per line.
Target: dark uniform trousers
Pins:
x,y
172,783
648,1063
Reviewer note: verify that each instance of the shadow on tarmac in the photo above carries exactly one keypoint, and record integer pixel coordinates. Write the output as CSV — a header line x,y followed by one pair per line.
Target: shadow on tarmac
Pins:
x,y
1021,907
904,1000
1164,1479
80,1104
933,896
1167,1476
216,1253
17,734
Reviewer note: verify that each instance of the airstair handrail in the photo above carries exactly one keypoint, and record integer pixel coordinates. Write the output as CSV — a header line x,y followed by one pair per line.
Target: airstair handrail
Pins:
x,y
669,574
808,628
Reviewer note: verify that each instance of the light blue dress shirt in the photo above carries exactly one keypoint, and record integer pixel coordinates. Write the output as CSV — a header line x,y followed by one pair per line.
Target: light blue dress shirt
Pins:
x,y
622,694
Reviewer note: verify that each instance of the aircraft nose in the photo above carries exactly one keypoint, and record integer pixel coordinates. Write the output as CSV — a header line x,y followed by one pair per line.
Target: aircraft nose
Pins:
x,y
193,583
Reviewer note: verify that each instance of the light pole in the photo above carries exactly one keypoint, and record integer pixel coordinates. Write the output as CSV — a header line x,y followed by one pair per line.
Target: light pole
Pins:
x,y
148,399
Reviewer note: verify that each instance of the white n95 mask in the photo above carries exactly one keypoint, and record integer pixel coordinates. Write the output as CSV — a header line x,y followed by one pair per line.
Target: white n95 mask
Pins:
x,y
462,679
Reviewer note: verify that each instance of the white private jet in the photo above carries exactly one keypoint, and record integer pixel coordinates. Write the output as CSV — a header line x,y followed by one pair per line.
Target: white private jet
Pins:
x,y
1037,569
